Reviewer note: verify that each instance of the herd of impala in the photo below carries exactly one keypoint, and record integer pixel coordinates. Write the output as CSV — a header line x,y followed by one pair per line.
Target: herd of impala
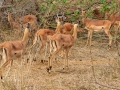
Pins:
x,y
62,38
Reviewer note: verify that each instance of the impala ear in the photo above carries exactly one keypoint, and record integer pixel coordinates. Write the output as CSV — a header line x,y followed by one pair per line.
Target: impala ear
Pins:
x,y
63,16
57,15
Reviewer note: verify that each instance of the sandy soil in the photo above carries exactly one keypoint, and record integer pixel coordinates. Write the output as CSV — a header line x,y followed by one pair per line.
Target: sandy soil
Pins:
x,y
95,70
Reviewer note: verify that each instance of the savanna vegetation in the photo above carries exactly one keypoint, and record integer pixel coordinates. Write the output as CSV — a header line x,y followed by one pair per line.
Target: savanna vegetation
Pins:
x,y
90,67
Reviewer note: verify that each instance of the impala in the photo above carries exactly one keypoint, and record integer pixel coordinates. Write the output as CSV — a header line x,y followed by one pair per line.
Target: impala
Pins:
x,y
11,49
96,25
62,41
42,36
22,22
13,24
65,28
115,19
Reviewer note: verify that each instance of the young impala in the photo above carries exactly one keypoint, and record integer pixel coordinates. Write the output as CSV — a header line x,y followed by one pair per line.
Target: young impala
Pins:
x,y
11,49
62,41
96,25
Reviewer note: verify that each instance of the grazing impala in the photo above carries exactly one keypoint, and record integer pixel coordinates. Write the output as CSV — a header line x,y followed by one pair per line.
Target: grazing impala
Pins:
x,y
96,25
62,41
11,49
22,22
13,24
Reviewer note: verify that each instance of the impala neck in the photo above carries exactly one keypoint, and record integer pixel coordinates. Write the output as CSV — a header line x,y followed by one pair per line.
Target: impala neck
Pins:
x,y
75,31
25,37
59,27
10,19
84,18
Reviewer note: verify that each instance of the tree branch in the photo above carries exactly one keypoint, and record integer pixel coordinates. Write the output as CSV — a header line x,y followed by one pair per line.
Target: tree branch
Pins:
x,y
5,6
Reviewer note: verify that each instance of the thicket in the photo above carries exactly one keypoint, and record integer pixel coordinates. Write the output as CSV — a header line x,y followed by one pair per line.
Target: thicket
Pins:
x,y
46,10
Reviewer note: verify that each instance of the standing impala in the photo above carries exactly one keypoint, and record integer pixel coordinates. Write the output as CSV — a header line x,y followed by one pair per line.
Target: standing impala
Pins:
x,y
42,36
115,19
64,28
96,25
11,49
62,41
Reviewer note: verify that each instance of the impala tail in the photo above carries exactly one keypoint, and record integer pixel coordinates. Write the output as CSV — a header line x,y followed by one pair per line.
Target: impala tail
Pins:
x,y
4,54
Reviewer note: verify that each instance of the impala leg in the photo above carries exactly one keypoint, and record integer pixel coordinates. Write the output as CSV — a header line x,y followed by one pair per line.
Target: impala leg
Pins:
x,y
3,67
88,38
51,46
45,50
66,58
116,32
40,51
1,73
91,32
11,62
50,61
110,37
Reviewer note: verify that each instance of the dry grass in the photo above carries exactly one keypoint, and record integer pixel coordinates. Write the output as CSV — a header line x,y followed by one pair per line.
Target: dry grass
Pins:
x,y
79,76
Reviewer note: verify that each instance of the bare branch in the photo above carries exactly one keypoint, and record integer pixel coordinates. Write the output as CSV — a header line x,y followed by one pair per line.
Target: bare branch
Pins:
x,y
6,6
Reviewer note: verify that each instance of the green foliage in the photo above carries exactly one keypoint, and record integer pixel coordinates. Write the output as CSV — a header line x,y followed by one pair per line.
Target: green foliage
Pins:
x,y
42,7
89,14
73,18
20,0
102,1
107,6
67,12
77,12
64,1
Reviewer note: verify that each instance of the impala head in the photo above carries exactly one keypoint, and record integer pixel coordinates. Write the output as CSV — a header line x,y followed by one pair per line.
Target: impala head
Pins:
x,y
82,13
60,18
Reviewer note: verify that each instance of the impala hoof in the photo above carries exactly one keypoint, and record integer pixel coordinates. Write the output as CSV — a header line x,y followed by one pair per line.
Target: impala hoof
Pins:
x,y
42,61
1,77
109,47
27,60
65,67
34,59
48,69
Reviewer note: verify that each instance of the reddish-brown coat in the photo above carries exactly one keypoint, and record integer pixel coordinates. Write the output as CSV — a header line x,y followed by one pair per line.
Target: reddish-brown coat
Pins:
x,y
13,49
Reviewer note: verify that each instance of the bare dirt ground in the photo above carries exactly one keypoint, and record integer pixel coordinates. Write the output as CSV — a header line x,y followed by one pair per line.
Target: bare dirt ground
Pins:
x,y
94,68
